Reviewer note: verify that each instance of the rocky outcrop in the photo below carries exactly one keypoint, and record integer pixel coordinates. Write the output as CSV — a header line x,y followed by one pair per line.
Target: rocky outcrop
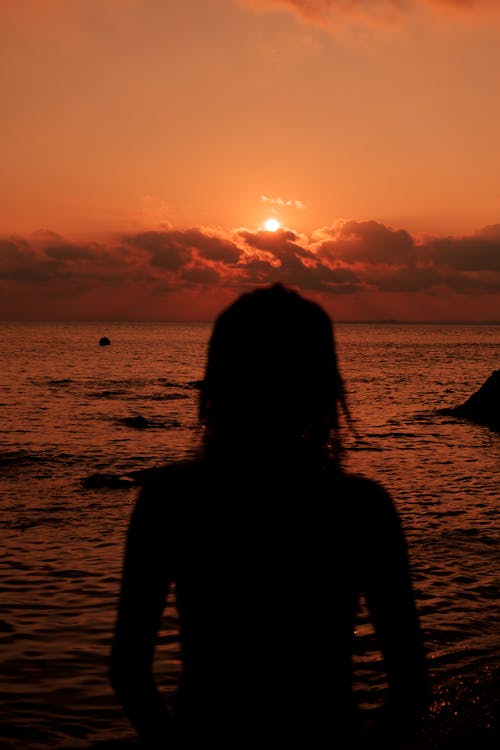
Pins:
x,y
104,341
483,407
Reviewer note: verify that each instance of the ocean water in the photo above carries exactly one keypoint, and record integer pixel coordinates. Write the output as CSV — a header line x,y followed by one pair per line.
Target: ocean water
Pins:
x,y
69,411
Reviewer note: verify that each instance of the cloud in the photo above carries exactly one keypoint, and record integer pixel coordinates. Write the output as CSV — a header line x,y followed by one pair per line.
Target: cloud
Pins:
x,y
425,278
201,275
173,249
390,260
166,251
477,253
274,242
367,240
20,262
283,258
209,246
61,269
283,202
490,232
64,252
161,269
376,11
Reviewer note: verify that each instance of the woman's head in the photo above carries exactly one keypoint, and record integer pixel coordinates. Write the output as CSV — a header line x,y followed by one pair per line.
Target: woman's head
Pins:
x,y
271,381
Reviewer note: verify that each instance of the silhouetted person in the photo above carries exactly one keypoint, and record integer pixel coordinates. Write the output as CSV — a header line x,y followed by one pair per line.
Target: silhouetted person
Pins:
x,y
269,545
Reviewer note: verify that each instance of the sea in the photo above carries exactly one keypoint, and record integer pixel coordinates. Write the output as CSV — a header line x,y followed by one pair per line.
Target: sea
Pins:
x,y
80,422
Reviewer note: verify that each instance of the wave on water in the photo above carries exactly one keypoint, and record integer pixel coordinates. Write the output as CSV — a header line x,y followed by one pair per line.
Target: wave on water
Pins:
x,y
126,389
14,459
128,392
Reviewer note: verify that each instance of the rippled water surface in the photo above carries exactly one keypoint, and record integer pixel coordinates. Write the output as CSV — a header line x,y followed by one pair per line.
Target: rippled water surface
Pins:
x,y
67,409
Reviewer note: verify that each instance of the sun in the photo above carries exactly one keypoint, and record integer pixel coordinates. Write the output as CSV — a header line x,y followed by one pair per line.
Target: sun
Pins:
x,y
272,225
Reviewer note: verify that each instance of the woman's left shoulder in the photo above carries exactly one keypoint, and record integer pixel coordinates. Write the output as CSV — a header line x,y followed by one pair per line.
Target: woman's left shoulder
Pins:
x,y
363,486
367,496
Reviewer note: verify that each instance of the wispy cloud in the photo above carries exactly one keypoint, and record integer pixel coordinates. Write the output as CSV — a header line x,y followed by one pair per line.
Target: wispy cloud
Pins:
x,y
377,11
283,202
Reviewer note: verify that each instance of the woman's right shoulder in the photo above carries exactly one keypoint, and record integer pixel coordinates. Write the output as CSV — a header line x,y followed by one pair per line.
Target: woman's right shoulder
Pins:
x,y
171,480
166,494
365,494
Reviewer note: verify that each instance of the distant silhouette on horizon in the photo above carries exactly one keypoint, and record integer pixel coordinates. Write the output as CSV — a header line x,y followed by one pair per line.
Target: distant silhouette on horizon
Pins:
x,y
269,545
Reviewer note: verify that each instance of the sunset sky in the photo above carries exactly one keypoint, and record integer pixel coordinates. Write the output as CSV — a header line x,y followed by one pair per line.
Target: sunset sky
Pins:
x,y
144,144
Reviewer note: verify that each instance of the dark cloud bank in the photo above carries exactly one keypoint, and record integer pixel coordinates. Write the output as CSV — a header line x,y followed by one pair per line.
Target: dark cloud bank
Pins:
x,y
350,258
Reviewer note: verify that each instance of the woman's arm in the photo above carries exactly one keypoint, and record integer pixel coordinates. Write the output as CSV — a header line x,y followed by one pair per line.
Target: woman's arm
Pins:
x,y
144,588
390,599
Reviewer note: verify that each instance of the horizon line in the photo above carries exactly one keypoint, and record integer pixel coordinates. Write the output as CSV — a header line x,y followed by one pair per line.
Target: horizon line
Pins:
x,y
335,321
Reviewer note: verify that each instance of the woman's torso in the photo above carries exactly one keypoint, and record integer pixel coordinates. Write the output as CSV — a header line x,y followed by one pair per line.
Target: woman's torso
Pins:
x,y
268,570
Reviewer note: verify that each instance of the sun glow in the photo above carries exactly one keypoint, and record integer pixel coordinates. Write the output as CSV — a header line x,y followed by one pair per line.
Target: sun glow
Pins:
x,y
272,225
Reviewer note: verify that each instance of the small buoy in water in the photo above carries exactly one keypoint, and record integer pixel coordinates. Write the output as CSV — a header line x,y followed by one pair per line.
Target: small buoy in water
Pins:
x,y
104,341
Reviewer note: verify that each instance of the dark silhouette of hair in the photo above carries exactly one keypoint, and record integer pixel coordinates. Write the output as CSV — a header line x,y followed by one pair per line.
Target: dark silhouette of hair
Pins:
x,y
272,381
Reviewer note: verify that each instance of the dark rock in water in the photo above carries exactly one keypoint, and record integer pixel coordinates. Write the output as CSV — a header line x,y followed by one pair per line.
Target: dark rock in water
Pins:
x,y
109,481
104,341
483,407
144,423
139,422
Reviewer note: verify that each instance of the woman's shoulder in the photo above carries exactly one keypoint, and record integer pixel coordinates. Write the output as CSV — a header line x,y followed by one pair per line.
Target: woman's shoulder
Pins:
x,y
362,484
366,494
167,477
165,492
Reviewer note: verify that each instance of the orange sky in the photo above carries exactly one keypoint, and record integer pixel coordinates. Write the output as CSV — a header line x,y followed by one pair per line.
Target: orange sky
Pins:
x,y
138,138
